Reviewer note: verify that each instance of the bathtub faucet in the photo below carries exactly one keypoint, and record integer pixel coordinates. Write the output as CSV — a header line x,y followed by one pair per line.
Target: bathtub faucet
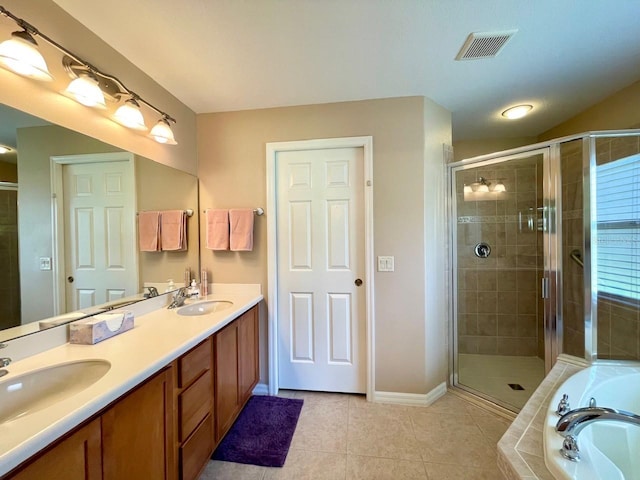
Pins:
x,y
572,423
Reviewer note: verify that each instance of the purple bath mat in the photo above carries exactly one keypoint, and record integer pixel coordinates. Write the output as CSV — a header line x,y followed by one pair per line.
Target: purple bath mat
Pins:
x,y
262,433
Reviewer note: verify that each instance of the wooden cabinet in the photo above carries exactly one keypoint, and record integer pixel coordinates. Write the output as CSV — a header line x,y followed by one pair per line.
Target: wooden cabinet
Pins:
x,y
137,432
195,417
236,368
76,457
168,426
130,440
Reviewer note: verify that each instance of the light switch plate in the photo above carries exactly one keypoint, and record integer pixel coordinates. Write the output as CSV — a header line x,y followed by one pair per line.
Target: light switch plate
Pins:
x,y
45,263
385,263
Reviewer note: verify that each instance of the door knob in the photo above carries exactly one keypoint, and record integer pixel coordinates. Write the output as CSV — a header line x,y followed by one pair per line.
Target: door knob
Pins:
x,y
358,282
70,279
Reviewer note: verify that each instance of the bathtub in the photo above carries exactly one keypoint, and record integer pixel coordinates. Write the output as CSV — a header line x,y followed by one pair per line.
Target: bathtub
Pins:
x,y
608,450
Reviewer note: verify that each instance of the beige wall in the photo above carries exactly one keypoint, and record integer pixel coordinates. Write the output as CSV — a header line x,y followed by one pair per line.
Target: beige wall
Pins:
x,y
232,173
8,172
159,187
41,99
618,111
35,146
472,148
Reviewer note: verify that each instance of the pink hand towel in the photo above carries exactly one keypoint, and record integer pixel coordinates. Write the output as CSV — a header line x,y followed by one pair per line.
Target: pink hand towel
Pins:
x,y
217,237
241,220
149,231
173,230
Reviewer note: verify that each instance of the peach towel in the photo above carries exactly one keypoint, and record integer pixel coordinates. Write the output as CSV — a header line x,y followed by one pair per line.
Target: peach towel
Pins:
x,y
217,237
149,231
241,220
173,230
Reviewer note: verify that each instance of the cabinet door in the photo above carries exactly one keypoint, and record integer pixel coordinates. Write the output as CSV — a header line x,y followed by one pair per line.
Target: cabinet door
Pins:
x,y
77,457
248,353
226,378
137,433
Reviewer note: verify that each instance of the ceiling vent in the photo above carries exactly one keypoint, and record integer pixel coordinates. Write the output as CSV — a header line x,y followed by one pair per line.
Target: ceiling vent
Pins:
x,y
484,44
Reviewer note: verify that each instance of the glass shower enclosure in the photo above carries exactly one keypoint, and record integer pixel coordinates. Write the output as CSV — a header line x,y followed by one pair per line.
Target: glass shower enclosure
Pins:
x,y
530,278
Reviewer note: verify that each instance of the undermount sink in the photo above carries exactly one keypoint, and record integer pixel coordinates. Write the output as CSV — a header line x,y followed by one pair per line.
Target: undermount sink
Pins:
x,y
204,308
33,391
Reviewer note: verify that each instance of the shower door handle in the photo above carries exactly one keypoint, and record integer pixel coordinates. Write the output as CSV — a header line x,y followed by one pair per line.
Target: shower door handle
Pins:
x,y
545,288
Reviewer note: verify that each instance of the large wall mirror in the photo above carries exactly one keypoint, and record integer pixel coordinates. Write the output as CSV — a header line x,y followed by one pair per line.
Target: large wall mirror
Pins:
x,y
36,240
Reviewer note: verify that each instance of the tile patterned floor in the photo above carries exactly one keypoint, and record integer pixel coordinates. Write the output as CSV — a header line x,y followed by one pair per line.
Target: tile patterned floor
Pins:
x,y
342,437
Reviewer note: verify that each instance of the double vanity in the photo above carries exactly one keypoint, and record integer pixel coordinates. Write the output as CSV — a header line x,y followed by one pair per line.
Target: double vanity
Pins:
x,y
152,402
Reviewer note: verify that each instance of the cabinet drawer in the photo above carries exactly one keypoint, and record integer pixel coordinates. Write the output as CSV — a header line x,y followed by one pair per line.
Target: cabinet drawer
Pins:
x,y
193,363
195,452
194,404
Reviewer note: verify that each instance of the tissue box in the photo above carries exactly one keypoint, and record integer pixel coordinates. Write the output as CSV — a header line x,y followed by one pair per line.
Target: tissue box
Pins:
x,y
100,327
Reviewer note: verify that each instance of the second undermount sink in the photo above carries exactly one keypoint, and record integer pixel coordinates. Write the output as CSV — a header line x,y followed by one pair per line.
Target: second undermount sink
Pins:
x,y
204,308
33,391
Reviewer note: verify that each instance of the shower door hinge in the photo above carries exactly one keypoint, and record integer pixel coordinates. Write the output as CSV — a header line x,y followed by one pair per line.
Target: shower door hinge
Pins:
x,y
545,287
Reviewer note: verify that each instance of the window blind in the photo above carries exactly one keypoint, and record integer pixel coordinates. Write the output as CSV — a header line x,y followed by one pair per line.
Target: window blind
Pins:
x,y
618,227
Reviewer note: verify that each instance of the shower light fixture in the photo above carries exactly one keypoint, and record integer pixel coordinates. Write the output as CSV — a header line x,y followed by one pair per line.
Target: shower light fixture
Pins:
x,y
499,187
20,54
89,86
517,111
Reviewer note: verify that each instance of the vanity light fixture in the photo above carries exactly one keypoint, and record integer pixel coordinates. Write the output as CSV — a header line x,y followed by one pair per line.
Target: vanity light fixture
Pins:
x,y
467,189
85,90
517,111
161,132
4,149
20,55
129,115
89,86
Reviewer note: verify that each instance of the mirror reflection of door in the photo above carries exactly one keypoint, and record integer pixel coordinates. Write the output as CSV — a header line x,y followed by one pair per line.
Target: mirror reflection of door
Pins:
x,y
99,232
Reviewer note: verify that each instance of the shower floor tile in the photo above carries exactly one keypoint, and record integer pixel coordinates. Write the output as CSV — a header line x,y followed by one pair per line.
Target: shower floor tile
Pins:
x,y
492,374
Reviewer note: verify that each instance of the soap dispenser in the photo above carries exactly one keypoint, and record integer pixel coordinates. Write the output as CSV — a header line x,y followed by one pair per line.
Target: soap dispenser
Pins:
x,y
194,291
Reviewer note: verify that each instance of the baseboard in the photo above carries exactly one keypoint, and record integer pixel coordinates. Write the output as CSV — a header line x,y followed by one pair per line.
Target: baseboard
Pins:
x,y
411,398
261,389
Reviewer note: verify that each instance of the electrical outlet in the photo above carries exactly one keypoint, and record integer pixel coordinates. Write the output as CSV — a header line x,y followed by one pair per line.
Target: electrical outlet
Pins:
x,y
385,264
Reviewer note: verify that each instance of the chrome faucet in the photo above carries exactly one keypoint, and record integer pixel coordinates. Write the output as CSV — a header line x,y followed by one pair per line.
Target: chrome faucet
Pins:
x,y
153,292
178,299
572,423
4,362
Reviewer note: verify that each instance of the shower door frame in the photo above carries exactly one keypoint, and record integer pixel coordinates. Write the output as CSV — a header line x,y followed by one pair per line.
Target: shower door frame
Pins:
x,y
552,266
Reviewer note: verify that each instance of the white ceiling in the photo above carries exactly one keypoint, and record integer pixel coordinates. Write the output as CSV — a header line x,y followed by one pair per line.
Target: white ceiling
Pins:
x,y
222,55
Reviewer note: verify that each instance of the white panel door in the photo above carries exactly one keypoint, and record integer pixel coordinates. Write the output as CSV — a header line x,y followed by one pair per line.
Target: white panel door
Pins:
x,y
320,236
99,235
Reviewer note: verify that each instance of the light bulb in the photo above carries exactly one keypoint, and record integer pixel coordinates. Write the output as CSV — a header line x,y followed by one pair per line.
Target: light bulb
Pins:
x,y
20,55
86,91
129,115
162,132
468,189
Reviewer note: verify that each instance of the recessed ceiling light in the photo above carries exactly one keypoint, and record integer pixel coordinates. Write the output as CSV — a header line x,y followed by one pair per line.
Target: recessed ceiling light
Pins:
x,y
4,149
518,111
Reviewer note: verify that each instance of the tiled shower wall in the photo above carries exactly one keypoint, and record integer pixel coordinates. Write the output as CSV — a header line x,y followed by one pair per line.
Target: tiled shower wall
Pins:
x,y
572,239
618,321
9,277
498,307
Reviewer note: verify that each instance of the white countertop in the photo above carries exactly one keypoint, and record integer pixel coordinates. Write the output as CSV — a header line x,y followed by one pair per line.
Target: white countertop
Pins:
x,y
158,338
